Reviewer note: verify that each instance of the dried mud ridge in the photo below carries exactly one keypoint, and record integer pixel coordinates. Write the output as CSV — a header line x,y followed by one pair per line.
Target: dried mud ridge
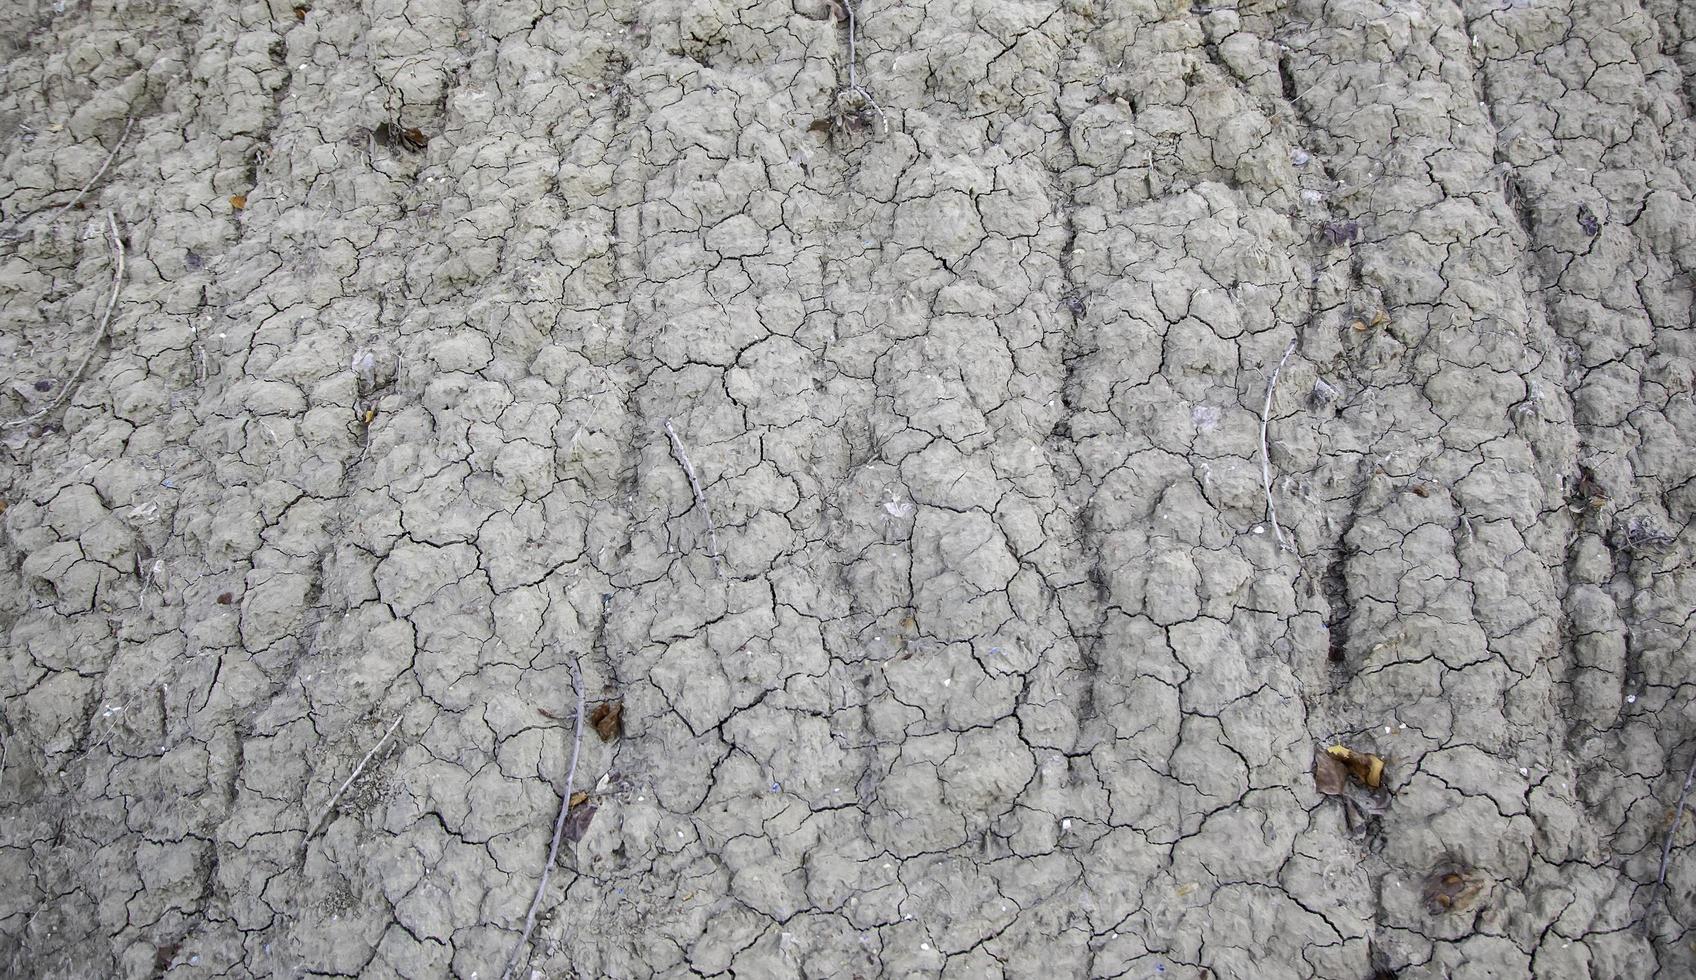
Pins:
x,y
961,645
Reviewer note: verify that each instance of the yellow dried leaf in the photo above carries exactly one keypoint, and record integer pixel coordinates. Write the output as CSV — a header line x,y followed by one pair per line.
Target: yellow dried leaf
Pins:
x,y
579,797
1368,770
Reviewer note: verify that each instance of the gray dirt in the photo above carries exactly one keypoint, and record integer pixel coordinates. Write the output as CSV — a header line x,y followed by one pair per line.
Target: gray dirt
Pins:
x,y
981,658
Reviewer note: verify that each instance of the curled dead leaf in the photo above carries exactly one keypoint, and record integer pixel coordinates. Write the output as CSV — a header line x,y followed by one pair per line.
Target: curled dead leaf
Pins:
x,y
1452,889
577,821
1367,769
608,719
1329,774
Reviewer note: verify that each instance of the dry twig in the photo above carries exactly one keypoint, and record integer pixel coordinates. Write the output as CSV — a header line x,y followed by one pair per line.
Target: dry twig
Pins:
x,y
1265,455
559,825
16,230
100,332
330,807
700,494
1677,818
853,64
61,209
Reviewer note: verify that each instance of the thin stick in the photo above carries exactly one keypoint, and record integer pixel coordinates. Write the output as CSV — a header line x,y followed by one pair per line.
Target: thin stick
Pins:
x,y
61,209
853,64
1266,455
700,495
1677,818
100,332
330,807
559,826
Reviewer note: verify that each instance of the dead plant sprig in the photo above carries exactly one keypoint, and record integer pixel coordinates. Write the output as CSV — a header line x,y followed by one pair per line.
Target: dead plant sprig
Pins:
x,y
700,494
1677,818
330,807
99,333
17,226
559,825
1266,455
854,85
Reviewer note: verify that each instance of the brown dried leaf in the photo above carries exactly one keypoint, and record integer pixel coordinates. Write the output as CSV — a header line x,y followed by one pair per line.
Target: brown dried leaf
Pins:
x,y
577,822
819,126
225,598
608,719
238,201
1367,769
301,10
1452,890
578,797
1329,774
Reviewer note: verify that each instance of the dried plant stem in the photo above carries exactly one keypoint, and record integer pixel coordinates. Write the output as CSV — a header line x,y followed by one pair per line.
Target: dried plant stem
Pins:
x,y
330,807
854,63
559,826
1266,455
100,330
700,494
61,209
1677,818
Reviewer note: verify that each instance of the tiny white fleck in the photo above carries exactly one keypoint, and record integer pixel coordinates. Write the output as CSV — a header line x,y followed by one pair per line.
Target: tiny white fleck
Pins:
x,y
1631,699
947,681
1524,771
680,835
924,946
1066,824
1386,729
1259,530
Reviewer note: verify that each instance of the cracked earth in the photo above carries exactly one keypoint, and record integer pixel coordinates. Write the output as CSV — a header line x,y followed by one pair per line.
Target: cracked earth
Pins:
x,y
975,653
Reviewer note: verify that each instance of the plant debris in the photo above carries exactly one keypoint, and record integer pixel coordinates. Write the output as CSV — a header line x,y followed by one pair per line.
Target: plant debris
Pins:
x,y
1452,889
577,822
1588,496
238,201
1340,232
1368,770
1329,774
407,138
608,719
1587,220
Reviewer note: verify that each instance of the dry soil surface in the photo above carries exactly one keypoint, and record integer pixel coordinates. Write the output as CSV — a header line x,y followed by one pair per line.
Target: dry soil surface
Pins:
x,y
971,648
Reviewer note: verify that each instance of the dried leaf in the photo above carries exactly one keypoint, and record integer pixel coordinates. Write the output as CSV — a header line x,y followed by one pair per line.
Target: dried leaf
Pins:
x,y
1588,221
1368,770
1452,890
578,797
1329,774
819,126
413,138
238,201
226,598
300,11
577,821
608,719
